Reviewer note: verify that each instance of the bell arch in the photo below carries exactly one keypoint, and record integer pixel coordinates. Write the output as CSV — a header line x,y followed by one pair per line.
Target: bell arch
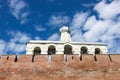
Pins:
x,y
97,50
67,49
52,49
84,50
37,51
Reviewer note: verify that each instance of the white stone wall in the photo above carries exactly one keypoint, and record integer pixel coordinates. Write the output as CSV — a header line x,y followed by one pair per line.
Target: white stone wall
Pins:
x,y
76,48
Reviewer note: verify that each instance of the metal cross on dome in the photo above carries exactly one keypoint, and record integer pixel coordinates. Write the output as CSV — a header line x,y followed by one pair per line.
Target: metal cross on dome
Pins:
x,y
63,22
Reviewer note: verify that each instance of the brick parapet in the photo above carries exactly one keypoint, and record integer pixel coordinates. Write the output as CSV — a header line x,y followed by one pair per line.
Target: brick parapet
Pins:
x,y
101,67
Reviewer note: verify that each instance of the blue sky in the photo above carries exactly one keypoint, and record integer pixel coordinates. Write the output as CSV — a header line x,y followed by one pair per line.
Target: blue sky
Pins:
x,y
88,20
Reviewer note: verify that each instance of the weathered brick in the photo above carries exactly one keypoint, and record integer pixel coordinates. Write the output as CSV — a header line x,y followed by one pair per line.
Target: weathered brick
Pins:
x,y
103,67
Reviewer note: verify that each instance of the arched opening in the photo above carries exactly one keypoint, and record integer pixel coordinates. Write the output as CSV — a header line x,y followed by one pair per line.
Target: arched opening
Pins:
x,y
97,50
67,49
84,50
51,49
37,51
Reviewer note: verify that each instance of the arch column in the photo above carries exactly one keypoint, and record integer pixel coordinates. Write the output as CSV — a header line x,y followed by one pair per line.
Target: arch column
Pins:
x,y
29,52
59,49
75,49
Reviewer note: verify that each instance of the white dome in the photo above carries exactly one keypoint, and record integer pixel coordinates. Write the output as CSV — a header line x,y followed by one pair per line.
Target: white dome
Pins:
x,y
64,29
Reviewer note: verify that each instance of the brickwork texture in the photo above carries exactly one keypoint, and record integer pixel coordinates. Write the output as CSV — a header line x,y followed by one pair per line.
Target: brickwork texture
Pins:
x,y
87,67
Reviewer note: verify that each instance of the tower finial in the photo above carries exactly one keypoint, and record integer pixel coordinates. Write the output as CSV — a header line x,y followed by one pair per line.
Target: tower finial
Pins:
x,y
63,22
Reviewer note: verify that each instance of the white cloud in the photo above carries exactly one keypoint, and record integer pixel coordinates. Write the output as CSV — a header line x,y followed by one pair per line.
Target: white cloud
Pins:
x,y
54,37
17,42
18,8
88,5
11,46
77,35
20,48
114,46
2,47
106,30
112,33
97,30
83,26
108,10
18,36
89,23
58,20
77,24
39,28
15,47
110,37
23,21
37,38
79,20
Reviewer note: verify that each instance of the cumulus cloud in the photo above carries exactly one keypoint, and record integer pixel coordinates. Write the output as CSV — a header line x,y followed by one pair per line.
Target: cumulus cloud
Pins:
x,y
58,20
108,10
54,37
114,46
39,28
17,42
2,47
37,38
77,24
88,5
97,30
77,35
90,22
111,36
103,29
15,47
79,20
19,9
17,36
84,27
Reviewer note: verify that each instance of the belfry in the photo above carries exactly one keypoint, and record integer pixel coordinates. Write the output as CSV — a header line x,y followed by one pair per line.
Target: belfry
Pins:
x,y
65,34
65,45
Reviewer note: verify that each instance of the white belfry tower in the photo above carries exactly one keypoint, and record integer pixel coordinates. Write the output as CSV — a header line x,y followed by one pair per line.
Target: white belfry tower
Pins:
x,y
65,34
65,45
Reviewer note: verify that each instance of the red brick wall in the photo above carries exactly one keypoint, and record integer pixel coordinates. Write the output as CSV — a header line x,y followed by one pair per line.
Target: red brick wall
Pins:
x,y
103,67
